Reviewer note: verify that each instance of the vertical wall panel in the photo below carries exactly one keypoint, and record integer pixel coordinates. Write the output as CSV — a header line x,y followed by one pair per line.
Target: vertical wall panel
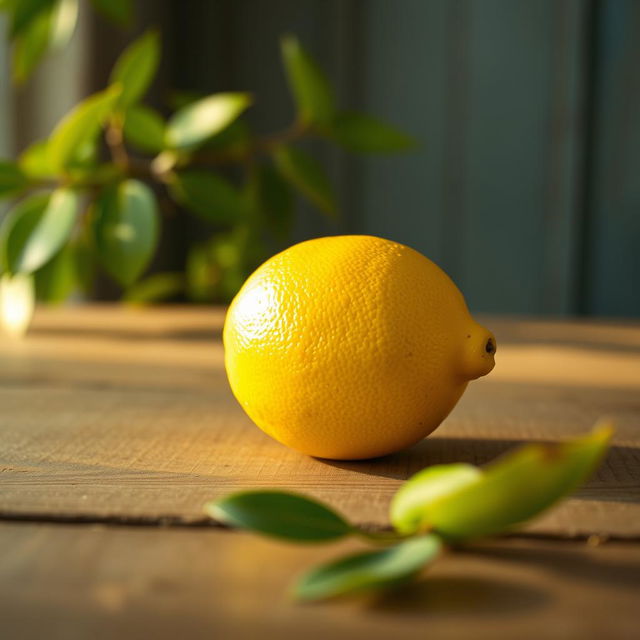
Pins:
x,y
612,258
405,79
503,236
493,89
520,191
568,137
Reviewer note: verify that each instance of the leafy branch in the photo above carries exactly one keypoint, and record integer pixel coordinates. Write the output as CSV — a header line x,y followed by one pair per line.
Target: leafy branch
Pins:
x,y
438,508
78,209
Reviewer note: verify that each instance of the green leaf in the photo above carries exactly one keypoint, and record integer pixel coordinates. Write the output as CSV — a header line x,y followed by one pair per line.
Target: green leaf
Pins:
x,y
126,229
34,161
17,226
281,515
30,46
365,134
310,87
407,512
118,11
85,155
17,302
158,286
36,229
516,488
63,23
304,173
136,67
80,126
12,179
369,570
58,279
204,118
25,12
233,140
209,195
275,201
144,128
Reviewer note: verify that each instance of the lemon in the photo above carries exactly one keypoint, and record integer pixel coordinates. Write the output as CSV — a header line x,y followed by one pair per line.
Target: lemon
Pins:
x,y
351,347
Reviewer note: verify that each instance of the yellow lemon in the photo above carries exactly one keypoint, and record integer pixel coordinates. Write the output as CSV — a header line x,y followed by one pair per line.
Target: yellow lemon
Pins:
x,y
351,347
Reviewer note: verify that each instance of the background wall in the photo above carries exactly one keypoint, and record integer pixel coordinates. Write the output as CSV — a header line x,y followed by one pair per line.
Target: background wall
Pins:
x,y
525,187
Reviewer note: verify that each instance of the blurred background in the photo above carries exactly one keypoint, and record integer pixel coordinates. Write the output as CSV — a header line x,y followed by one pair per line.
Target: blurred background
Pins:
x,y
525,184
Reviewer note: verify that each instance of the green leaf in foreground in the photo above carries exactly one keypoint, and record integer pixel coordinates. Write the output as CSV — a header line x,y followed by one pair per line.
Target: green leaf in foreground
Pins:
x,y
309,85
136,67
365,134
209,195
279,514
36,229
144,128
508,491
80,126
200,120
369,570
304,173
424,488
126,229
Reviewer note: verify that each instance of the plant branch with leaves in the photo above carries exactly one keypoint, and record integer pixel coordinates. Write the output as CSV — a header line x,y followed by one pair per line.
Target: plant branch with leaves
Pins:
x,y
438,508
78,210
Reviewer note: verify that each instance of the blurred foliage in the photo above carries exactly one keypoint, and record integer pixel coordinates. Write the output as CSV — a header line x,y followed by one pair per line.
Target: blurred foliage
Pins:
x,y
77,210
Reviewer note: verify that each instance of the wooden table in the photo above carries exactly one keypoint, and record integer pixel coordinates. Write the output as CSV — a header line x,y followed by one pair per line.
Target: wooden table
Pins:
x,y
116,425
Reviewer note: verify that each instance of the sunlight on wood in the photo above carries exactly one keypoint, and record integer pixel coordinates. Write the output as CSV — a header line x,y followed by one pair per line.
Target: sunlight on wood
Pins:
x,y
567,366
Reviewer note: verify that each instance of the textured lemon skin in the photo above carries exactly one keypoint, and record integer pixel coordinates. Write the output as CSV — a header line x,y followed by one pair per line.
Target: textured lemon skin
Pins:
x,y
351,347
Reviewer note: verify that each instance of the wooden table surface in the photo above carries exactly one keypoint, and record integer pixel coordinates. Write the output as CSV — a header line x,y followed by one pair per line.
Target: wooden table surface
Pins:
x,y
116,425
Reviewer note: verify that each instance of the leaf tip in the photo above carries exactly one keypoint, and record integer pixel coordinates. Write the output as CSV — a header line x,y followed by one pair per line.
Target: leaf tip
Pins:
x,y
213,510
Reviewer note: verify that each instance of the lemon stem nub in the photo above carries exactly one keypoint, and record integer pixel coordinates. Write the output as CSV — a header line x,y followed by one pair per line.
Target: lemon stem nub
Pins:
x,y
490,347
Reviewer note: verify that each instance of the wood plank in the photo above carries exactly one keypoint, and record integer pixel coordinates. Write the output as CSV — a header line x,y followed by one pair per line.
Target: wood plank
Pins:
x,y
111,413
76,582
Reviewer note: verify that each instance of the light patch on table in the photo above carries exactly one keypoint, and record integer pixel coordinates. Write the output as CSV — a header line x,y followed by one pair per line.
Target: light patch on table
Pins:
x,y
566,366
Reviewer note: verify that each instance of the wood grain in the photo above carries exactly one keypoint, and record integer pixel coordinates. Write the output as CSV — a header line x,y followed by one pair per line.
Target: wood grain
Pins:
x,y
78,582
109,413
